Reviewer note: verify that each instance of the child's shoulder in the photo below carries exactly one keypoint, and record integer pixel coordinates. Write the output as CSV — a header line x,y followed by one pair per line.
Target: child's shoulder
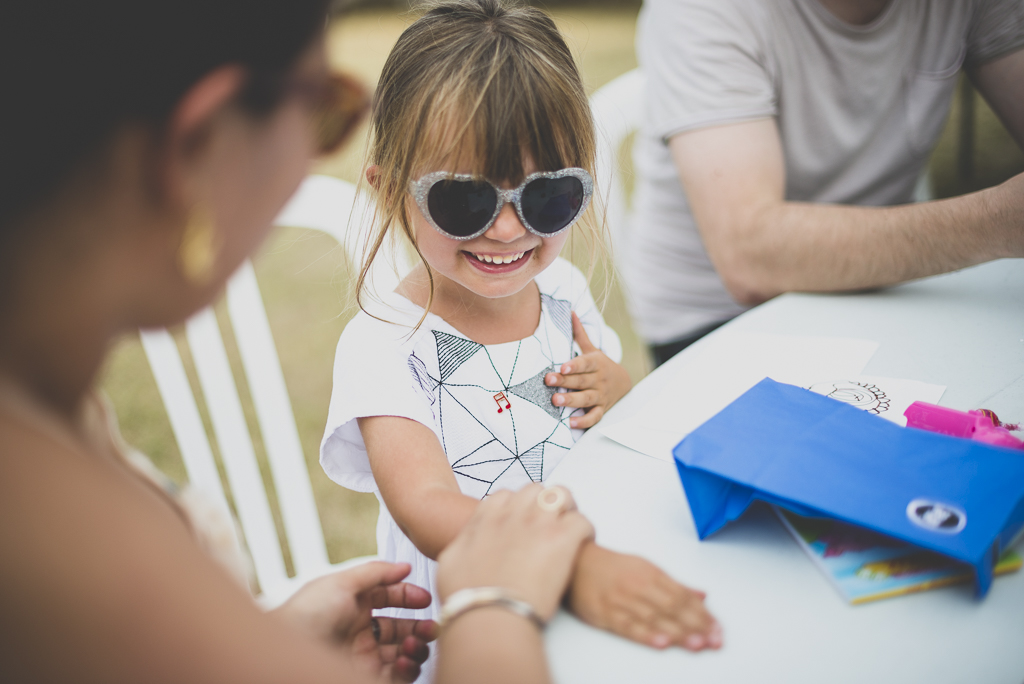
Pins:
x,y
389,325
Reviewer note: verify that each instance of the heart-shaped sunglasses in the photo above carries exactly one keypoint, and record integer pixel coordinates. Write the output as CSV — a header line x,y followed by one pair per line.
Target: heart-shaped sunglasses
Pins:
x,y
463,207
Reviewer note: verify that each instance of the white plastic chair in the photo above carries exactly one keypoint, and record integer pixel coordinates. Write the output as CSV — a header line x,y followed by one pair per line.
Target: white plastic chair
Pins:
x,y
617,109
321,203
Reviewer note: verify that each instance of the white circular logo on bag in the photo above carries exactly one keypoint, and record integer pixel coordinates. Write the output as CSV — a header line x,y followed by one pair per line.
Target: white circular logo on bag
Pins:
x,y
936,517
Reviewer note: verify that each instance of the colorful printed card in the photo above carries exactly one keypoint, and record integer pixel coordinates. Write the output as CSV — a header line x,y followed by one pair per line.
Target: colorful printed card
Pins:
x,y
866,566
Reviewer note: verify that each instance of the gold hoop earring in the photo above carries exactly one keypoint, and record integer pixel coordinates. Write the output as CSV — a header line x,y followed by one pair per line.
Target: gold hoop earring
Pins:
x,y
197,252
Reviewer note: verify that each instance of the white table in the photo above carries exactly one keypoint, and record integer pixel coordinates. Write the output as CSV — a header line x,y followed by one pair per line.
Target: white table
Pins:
x,y
783,621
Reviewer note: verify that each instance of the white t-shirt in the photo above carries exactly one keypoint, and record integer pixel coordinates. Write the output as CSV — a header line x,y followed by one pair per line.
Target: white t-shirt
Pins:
x,y
858,108
487,405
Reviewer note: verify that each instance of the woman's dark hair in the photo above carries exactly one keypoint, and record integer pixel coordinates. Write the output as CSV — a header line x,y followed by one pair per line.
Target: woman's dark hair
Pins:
x,y
72,72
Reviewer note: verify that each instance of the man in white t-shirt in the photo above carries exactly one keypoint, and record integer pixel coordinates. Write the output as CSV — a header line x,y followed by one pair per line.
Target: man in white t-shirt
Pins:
x,y
782,142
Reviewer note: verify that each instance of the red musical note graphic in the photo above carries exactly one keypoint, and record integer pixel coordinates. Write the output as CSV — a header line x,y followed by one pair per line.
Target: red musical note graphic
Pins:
x,y
500,397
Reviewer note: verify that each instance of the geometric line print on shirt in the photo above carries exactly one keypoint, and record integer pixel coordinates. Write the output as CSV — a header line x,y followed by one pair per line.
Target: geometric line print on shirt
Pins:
x,y
561,314
493,462
453,351
533,461
486,450
426,383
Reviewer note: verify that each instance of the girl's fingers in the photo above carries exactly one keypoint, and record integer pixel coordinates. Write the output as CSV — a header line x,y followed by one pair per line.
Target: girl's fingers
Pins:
x,y
663,632
627,625
680,604
576,381
580,335
584,363
588,419
584,398
675,614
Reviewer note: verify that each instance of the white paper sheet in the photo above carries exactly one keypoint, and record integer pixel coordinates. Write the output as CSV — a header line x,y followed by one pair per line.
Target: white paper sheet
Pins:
x,y
714,375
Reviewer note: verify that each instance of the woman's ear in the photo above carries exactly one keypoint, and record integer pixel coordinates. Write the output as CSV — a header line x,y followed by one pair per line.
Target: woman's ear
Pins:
x,y
373,176
188,132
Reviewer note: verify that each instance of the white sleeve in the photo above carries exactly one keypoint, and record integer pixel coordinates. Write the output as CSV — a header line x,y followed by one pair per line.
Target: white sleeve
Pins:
x,y
372,377
997,29
704,63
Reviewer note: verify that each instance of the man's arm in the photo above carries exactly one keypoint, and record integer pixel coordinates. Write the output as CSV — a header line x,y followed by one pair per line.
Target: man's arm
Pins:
x,y
762,245
1001,83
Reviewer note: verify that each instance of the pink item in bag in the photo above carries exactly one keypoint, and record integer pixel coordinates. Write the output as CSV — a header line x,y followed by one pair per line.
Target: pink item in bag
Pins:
x,y
981,425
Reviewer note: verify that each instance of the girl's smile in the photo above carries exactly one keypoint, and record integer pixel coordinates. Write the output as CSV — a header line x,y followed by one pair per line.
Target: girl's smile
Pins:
x,y
502,262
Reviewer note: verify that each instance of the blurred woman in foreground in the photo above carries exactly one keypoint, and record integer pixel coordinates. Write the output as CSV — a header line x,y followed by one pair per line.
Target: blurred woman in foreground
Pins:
x,y
145,149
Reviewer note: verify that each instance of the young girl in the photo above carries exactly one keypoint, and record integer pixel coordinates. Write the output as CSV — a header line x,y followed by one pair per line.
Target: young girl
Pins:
x,y
455,385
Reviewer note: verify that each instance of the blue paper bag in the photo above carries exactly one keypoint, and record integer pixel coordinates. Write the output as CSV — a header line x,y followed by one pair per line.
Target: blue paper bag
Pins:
x,y
820,457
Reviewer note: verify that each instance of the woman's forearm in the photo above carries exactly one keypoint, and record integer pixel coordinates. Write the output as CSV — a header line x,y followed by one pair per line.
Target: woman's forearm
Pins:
x,y
492,646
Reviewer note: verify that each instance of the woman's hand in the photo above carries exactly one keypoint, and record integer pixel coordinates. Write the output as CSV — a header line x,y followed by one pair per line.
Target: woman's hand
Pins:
x,y
599,382
514,543
631,597
337,609
528,548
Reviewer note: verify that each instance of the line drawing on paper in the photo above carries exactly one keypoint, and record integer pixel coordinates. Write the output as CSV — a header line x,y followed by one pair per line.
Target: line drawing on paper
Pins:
x,y
863,395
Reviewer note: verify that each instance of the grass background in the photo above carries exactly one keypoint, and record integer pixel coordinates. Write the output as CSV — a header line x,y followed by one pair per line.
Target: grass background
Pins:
x,y
305,279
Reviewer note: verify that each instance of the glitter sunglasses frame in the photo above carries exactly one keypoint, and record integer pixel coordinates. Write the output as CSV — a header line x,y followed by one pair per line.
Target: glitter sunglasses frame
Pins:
x,y
420,190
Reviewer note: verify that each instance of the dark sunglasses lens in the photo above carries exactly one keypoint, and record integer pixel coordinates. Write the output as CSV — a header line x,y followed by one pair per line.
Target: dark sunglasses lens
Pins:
x,y
550,204
461,208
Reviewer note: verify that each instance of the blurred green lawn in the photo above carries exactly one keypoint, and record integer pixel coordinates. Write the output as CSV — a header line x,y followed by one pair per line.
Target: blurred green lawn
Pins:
x,y
305,282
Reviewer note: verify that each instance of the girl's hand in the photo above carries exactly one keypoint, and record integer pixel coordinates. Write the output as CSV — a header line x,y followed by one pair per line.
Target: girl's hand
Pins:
x,y
514,543
631,597
337,609
599,382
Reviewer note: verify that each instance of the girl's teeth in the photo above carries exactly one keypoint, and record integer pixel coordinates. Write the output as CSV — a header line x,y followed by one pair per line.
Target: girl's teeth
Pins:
x,y
486,258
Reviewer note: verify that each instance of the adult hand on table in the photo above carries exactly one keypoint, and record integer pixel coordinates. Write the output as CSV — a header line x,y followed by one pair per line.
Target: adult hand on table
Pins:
x,y
597,381
337,609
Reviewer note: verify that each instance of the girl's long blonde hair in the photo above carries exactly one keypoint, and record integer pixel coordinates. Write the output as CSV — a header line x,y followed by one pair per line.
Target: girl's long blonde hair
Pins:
x,y
484,82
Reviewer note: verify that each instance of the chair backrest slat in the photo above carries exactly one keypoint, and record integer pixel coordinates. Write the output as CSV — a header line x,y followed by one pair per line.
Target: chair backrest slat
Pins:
x,y
331,205
187,425
617,112
235,446
277,425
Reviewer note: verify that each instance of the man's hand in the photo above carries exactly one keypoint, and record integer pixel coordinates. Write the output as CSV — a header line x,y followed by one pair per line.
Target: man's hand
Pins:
x,y
599,382
337,609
